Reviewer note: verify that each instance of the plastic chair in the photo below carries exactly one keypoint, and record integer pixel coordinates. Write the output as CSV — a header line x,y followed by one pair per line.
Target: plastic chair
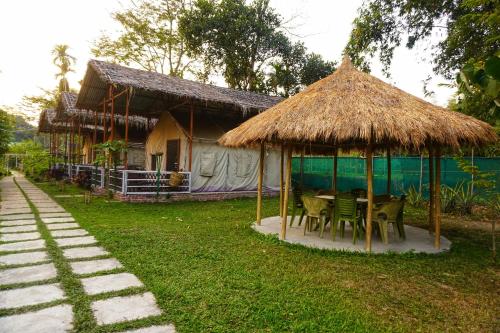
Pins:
x,y
346,211
297,204
390,212
316,209
359,192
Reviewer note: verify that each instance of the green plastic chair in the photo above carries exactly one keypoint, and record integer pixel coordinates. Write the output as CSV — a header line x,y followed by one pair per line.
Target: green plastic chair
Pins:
x,y
297,204
390,212
345,210
316,210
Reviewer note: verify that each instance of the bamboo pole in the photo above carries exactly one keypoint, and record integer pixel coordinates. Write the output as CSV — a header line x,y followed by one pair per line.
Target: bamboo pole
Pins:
x,y
389,171
437,201
127,105
369,181
335,169
288,176
66,158
79,151
431,191
191,125
112,119
259,183
104,125
282,158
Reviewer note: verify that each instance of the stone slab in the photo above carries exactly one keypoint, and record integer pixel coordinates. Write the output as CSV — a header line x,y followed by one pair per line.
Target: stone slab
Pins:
x,y
16,298
49,220
24,258
47,205
60,226
15,205
73,241
16,223
120,309
94,266
69,233
111,282
20,228
11,211
28,274
20,237
50,210
84,252
154,329
17,217
23,246
59,214
56,319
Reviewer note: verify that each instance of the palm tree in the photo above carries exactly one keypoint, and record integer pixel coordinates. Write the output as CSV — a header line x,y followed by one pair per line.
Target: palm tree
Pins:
x,y
63,60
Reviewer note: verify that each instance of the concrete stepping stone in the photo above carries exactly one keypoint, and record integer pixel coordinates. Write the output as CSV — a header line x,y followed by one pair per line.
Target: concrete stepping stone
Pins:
x,y
28,274
94,266
47,205
84,252
127,308
24,258
16,298
16,205
16,223
72,241
111,282
49,220
14,211
60,214
69,233
20,237
154,329
20,228
56,319
50,210
23,246
17,217
60,226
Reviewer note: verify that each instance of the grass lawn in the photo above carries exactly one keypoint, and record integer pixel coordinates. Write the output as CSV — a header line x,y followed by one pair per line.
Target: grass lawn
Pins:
x,y
210,272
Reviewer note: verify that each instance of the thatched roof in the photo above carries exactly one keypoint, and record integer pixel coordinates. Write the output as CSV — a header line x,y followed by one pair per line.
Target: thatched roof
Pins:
x,y
46,121
351,108
155,93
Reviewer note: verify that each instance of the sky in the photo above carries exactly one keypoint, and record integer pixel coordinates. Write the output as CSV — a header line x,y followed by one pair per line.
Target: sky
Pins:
x,y
28,36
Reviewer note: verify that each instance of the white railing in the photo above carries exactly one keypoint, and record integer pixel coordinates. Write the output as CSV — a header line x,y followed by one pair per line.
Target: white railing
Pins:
x,y
138,182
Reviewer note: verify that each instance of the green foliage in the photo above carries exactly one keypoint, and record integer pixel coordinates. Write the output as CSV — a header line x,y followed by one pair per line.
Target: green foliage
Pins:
x,y
414,197
63,60
23,129
6,129
110,151
148,37
34,158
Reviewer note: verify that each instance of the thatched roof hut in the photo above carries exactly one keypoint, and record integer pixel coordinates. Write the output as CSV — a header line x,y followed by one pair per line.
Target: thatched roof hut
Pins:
x,y
46,121
351,108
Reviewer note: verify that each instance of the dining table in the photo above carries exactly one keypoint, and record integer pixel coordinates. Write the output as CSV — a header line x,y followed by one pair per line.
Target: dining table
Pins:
x,y
332,198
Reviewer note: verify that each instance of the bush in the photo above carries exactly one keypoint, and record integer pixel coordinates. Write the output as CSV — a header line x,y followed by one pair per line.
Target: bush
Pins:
x,y
34,158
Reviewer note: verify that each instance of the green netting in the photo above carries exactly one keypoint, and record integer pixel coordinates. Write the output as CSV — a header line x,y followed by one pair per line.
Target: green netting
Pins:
x,y
406,171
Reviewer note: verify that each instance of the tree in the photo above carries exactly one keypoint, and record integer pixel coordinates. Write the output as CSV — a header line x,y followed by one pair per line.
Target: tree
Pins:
x,y
63,60
149,37
6,128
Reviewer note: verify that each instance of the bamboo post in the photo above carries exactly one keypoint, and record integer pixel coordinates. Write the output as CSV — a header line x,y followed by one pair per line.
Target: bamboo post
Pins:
x,y
437,201
66,160
127,105
288,176
112,119
369,181
259,183
431,190
191,125
389,171
79,150
104,125
335,169
282,158
94,141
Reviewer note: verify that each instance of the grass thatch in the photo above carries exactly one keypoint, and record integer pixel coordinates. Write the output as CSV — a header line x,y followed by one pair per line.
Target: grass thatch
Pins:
x,y
350,109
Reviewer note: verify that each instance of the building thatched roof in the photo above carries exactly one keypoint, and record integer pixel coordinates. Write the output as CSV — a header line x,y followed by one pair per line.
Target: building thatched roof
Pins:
x,y
154,93
351,108
46,121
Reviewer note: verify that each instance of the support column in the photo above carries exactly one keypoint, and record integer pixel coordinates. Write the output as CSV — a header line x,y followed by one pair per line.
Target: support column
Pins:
x,y
335,169
104,125
94,139
112,119
191,125
282,159
369,181
437,201
260,181
389,171
431,191
127,105
288,176
79,150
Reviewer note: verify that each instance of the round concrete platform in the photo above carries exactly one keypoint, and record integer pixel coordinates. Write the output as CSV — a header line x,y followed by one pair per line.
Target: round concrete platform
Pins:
x,y
417,240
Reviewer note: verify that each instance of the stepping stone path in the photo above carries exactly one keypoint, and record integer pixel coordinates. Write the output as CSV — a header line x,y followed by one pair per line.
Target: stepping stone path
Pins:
x,y
24,261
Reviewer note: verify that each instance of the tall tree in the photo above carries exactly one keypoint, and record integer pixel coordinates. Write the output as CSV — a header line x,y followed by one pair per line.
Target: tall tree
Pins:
x,y
63,60
149,37
6,128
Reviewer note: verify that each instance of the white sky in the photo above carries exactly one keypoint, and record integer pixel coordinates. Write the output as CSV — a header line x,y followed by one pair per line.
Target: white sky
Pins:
x,y
31,28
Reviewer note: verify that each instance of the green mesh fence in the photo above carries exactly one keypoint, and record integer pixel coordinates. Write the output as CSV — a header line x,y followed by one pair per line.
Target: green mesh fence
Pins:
x,y
406,171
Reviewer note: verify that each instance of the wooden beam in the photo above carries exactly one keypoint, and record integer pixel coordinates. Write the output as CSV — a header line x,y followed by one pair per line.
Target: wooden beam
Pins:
x,y
127,105
191,124
369,208
437,201
335,169
389,171
431,191
284,218
110,99
282,159
260,181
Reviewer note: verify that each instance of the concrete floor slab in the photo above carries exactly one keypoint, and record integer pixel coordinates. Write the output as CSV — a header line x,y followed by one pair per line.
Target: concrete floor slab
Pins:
x,y
17,217
23,246
84,252
20,228
73,241
16,298
57,214
20,237
417,239
47,204
50,210
11,211
94,266
60,226
154,329
24,258
49,220
127,308
56,319
17,222
28,274
69,233
15,205
111,282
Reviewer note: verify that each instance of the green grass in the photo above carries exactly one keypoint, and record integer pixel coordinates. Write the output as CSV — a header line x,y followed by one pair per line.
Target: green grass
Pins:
x,y
210,272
